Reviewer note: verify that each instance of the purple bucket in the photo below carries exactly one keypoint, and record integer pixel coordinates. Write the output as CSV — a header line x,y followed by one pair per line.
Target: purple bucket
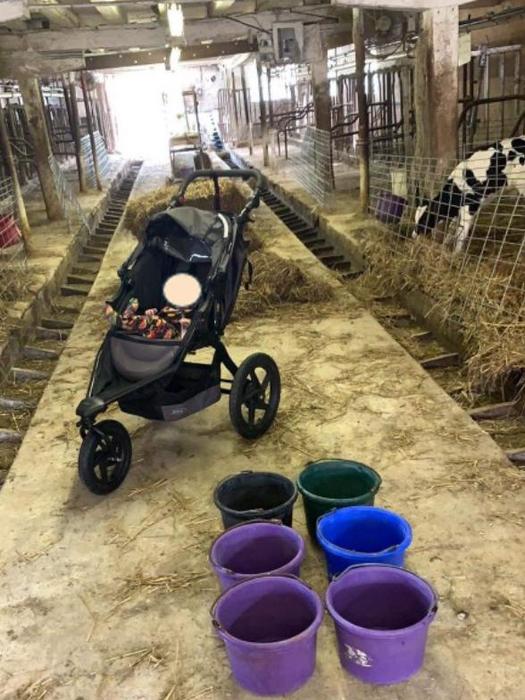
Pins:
x,y
390,207
255,548
381,615
269,625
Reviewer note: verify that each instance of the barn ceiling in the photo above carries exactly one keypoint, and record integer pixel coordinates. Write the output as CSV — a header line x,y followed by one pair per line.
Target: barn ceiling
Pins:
x,y
88,32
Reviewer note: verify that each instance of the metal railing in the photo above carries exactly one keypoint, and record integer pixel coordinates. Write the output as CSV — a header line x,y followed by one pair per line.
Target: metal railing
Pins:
x,y
104,166
491,130
460,240
12,254
312,165
73,212
290,123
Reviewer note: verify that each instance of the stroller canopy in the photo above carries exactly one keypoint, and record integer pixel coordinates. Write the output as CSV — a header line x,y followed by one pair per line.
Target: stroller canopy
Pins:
x,y
189,234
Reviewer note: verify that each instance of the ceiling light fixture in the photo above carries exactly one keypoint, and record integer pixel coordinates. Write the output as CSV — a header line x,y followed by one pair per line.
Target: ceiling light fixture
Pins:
x,y
222,4
175,20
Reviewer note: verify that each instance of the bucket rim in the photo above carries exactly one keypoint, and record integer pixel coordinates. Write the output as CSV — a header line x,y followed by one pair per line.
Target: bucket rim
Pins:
x,y
402,546
337,617
299,557
247,514
361,466
313,627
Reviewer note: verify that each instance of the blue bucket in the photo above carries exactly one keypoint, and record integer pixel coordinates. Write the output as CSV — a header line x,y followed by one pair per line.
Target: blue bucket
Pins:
x,y
362,535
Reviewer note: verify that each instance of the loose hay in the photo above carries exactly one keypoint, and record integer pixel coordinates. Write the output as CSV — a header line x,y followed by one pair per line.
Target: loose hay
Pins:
x,y
278,281
491,332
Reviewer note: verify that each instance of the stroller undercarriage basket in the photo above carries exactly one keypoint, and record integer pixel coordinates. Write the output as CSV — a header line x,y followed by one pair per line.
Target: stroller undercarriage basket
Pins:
x,y
194,387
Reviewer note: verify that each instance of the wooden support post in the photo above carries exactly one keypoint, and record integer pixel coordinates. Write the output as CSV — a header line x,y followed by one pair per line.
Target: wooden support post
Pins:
x,y
89,120
23,221
363,144
264,123
270,101
235,106
436,85
74,123
247,110
320,83
36,121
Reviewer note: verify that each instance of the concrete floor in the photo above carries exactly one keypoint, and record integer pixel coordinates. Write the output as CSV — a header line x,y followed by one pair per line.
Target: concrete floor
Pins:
x,y
109,597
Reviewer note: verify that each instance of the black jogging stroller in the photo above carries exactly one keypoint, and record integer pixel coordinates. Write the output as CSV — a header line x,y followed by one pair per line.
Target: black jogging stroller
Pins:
x,y
153,378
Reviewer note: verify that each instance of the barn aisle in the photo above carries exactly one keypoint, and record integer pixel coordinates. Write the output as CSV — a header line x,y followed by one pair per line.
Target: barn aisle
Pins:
x,y
110,597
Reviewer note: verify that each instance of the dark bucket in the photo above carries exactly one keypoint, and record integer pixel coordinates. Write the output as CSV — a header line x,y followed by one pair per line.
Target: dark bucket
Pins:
x,y
335,483
254,496
255,548
269,625
382,614
362,535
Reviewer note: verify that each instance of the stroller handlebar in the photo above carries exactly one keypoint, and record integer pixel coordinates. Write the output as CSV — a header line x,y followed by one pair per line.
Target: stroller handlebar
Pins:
x,y
216,175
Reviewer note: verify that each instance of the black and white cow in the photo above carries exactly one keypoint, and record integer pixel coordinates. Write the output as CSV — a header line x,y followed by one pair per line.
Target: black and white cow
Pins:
x,y
469,186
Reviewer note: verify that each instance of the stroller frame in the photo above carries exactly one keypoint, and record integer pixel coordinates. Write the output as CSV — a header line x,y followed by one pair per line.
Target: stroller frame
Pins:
x,y
105,454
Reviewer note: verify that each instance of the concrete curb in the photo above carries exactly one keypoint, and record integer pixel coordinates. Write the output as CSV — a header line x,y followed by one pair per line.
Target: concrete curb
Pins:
x,y
29,316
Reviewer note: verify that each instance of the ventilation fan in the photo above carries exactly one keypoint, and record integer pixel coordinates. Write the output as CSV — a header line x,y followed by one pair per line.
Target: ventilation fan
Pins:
x,y
383,28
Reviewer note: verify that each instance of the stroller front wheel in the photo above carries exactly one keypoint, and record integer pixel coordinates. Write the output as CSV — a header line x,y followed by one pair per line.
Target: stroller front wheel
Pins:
x,y
255,395
105,457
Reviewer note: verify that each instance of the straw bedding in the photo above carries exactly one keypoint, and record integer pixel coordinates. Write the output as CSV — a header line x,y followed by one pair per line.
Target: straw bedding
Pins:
x,y
468,294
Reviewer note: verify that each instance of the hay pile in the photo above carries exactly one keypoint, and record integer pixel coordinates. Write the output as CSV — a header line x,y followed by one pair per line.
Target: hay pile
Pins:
x,y
277,281
468,294
199,194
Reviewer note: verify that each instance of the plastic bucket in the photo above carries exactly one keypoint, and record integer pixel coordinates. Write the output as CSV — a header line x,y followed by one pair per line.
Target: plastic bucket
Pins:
x,y
255,495
335,483
362,535
269,625
9,232
381,615
390,207
254,548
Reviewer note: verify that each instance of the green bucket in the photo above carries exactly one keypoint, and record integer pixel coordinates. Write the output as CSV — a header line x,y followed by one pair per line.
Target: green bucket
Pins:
x,y
335,483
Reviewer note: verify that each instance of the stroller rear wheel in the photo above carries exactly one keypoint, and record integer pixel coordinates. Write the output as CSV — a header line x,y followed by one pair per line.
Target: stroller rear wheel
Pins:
x,y
255,395
105,457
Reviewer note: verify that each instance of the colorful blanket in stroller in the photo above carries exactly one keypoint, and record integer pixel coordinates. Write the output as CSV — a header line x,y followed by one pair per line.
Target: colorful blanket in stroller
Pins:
x,y
166,324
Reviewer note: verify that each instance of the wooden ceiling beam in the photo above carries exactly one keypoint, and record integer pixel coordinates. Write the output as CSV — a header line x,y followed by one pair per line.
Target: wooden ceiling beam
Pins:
x,y
111,13
84,39
62,16
11,10
128,59
31,63
415,5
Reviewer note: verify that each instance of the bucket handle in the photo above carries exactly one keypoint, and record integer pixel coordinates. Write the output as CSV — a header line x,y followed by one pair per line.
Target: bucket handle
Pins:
x,y
273,521
214,620
433,610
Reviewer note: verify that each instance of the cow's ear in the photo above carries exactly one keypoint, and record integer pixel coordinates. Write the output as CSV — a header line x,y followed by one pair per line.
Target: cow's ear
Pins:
x,y
421,201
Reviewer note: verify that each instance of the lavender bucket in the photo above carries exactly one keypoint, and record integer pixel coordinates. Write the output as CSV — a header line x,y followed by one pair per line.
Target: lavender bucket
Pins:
x,y
269,626
382,614
254,548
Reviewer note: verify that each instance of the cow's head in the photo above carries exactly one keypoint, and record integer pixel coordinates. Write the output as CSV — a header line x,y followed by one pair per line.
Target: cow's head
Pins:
x,y
515,170
422,214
